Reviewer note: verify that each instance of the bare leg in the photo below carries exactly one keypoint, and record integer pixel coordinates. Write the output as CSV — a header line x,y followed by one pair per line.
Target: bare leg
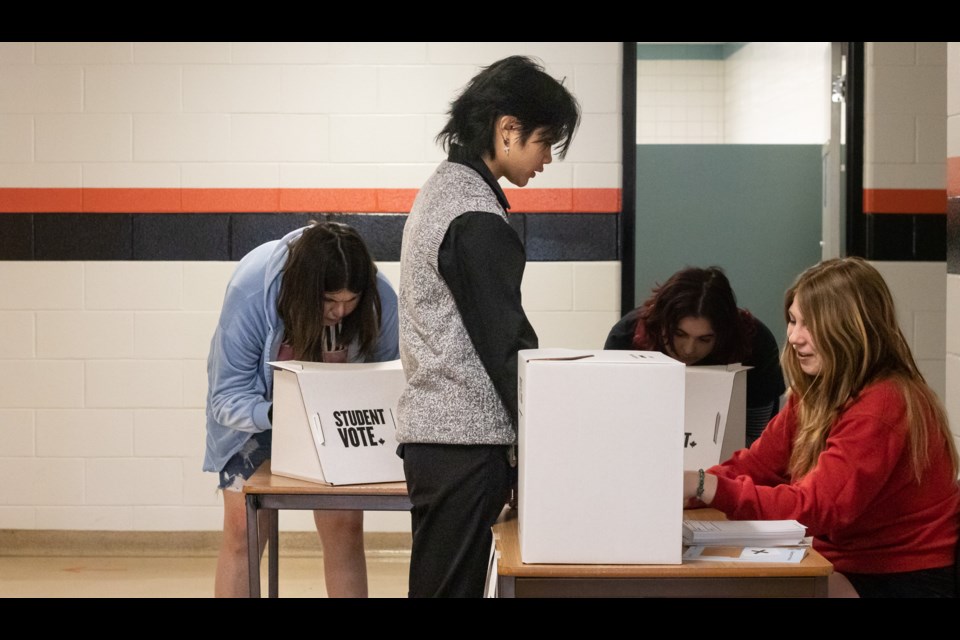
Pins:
x,y
233,575
344,560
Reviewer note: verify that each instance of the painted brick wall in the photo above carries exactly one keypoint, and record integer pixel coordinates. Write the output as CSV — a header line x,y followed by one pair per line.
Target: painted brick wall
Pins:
x,y
757,93
904,189
904,199
953,237
102,363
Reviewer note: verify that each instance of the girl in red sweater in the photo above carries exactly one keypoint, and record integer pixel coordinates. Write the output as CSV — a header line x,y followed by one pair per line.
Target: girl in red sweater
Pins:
x,y
862,454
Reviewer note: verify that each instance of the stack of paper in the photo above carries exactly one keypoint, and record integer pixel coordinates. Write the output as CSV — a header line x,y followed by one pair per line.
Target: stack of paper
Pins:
x,y
743,533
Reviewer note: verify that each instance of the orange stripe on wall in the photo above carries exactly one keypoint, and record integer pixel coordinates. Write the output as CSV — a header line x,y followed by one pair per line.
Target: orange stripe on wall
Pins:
x,y
40,200
395,199
127,200
953,177
905,201
348,200
123,200
539,200
596,200
231,200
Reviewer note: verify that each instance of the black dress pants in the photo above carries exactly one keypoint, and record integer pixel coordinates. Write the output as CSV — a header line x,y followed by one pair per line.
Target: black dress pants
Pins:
x,y
457,491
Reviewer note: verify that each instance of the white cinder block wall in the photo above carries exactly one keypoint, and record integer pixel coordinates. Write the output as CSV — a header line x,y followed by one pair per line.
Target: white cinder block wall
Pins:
x,y
905,149
762,93
102,364
102,378
778,93
904,119
953,279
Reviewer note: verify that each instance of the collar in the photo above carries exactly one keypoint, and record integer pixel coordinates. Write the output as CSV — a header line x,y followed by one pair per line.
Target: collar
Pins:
x,y
458,156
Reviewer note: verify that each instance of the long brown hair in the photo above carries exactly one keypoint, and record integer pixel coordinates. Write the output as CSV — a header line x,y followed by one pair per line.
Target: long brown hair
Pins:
x,y
326,258
850,314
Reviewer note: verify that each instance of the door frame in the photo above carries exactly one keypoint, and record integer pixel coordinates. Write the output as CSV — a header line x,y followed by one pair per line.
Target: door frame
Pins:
x,y
851,158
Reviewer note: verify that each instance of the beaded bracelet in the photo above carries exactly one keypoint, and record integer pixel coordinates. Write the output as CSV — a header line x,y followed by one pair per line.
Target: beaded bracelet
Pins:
x,y
700,485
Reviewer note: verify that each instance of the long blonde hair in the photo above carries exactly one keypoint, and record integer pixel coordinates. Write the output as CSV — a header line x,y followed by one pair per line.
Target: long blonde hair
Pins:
x,y
850,314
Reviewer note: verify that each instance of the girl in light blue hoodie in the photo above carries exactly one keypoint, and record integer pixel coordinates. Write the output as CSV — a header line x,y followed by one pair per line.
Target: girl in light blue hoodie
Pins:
x,y
313,295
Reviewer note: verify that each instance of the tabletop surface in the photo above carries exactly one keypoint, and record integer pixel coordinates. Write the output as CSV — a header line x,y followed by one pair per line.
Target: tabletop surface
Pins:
x,y
508,544
265,482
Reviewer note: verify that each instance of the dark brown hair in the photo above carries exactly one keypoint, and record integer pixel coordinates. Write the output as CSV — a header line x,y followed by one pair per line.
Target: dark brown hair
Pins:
x,y
701,293
326,258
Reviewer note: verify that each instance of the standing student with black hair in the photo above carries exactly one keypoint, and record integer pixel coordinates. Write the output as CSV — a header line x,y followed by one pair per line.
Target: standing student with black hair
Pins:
x,y
462,322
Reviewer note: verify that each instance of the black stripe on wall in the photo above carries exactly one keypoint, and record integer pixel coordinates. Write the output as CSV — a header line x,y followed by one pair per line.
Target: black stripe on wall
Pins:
x,y
229,236
953,235
905,236
16,236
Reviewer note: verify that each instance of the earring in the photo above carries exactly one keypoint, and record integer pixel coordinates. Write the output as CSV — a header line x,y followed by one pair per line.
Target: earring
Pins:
x,y
506,148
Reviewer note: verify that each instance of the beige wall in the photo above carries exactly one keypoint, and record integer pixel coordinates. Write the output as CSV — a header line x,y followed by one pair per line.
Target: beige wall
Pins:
x,y
102,364
102,379
904,149
953,280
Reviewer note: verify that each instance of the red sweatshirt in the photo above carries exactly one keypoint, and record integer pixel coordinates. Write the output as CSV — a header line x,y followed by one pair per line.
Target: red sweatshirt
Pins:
x,y
861,502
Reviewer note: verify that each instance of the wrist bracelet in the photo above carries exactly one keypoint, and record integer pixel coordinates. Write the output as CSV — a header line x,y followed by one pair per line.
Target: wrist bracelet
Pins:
x,y
700,485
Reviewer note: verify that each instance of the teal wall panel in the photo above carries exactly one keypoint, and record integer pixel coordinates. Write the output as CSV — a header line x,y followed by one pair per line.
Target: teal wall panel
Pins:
x,y
754,210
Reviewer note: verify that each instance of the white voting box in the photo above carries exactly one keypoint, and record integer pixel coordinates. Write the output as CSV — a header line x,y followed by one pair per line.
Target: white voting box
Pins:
x,y
600,457
335,423
715,414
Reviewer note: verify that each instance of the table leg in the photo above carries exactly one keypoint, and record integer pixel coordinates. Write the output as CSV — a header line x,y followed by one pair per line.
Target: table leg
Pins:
x,y
253,544
273,545
506,587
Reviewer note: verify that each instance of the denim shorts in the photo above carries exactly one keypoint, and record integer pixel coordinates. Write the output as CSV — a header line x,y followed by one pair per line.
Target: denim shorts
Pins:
x,y
245,462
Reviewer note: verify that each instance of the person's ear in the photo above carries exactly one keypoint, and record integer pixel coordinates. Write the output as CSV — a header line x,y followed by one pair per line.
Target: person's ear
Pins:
x,y
507,126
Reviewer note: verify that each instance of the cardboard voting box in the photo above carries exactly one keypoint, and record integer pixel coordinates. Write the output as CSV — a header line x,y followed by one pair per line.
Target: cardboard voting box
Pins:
x,y
600,457
335,423
715,414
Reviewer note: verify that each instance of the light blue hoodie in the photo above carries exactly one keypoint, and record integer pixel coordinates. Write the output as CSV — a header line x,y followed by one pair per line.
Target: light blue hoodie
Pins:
x,y
248,336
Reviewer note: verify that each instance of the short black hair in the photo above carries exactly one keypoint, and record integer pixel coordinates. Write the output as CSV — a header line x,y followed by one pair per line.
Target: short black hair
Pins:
x,y
516,86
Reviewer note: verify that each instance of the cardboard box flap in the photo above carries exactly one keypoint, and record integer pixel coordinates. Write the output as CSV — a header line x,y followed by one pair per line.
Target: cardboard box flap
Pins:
x,y
594,356
714,414
708,409
287,365
733,367
301,365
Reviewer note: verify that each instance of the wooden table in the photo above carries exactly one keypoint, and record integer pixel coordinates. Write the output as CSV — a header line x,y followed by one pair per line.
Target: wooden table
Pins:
x,y
269,493
691,579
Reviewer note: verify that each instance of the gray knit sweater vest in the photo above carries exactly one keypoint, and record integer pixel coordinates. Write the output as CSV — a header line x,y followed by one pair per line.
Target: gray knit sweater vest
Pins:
x,y
449,398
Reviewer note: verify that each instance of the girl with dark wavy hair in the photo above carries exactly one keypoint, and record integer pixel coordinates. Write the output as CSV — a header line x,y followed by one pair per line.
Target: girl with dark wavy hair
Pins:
x,y
693,317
